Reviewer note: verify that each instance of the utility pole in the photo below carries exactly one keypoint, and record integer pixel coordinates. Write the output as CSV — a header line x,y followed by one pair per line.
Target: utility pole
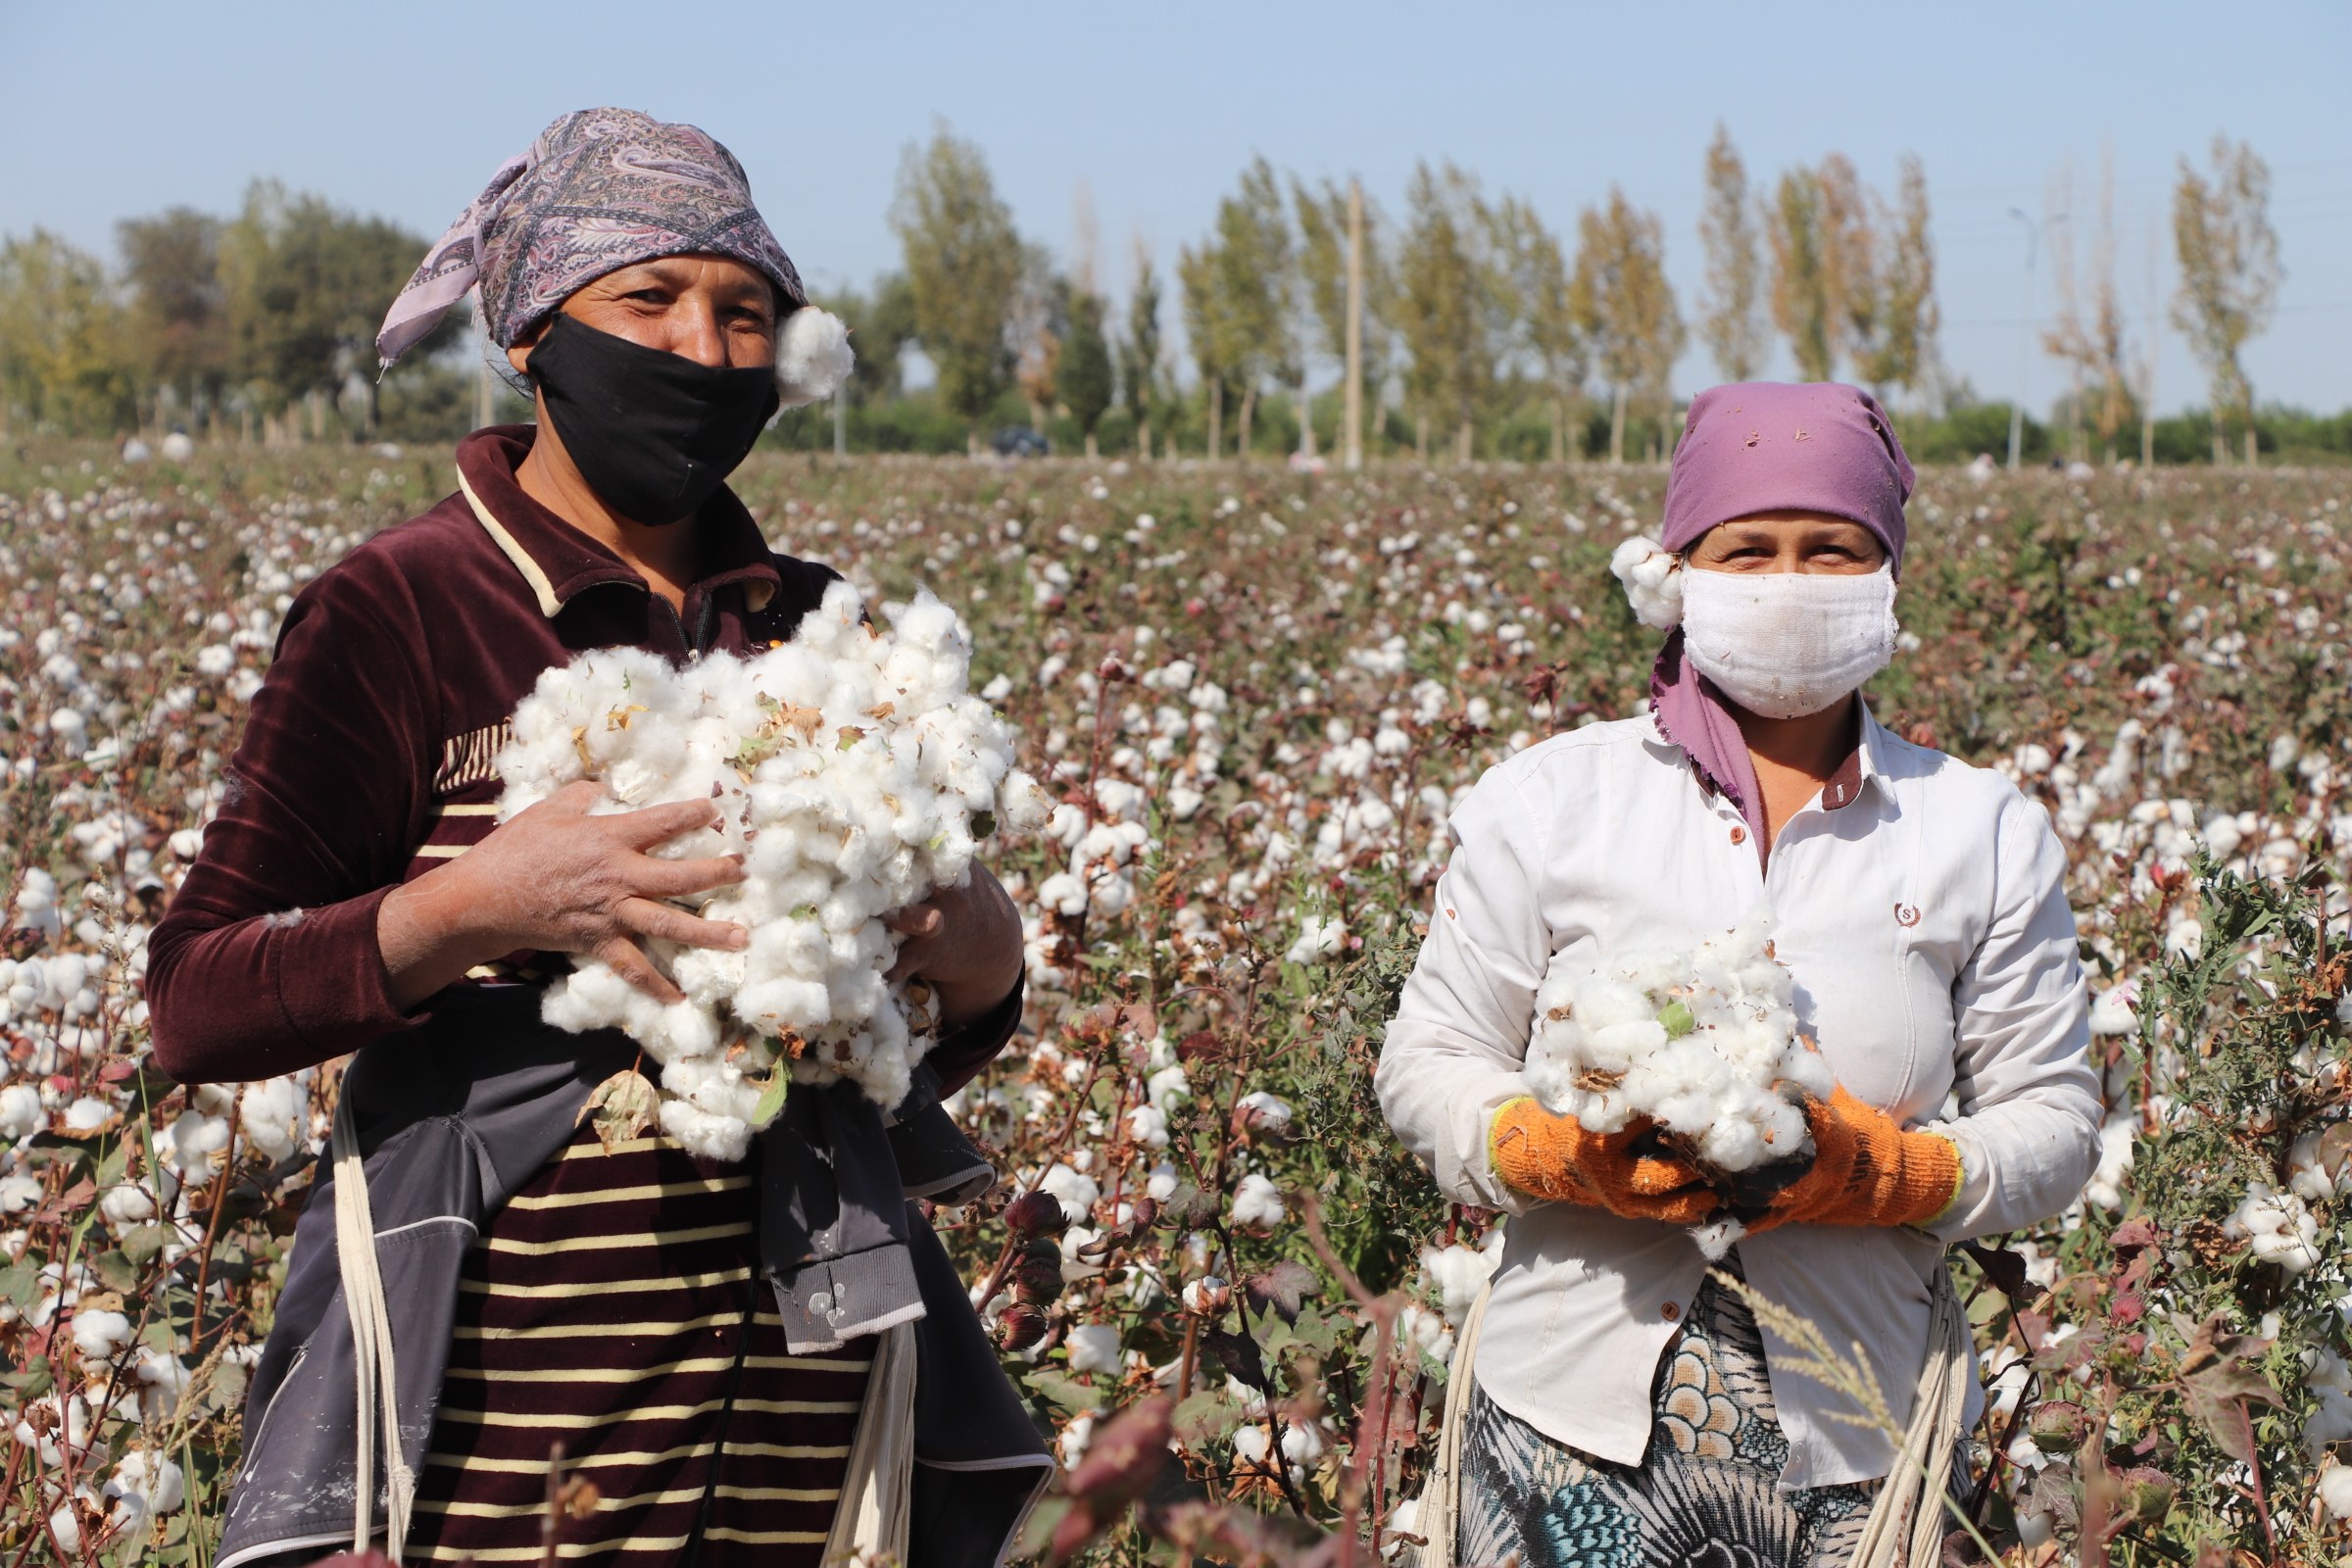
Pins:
x,y
1351,438
2024,339
485,396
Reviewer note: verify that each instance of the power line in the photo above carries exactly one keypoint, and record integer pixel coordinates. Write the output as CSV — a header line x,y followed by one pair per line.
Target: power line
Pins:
x,y
2283,310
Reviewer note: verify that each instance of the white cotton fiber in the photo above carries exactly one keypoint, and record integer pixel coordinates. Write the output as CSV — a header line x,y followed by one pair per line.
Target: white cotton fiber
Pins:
x,y
813,357
1704,1044
1653,577
854,774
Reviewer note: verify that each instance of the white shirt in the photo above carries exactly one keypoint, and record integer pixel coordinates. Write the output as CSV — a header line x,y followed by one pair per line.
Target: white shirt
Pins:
x,y
1925,923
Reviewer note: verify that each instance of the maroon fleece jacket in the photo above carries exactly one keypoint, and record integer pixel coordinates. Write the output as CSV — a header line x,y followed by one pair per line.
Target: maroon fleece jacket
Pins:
x,y
366,761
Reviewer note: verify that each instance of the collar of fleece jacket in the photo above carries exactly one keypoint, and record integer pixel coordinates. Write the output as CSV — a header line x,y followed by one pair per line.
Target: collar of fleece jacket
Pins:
x,y
559,561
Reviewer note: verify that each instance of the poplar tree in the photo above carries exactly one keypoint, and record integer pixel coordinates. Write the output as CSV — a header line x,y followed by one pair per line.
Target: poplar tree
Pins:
x,y
1539,320
964,267
1445,288
2088,334
1139,356
1625,307
1086,383
1904,317
1801,298
2230,275
1731,319
1322,222
1254,272
1198,272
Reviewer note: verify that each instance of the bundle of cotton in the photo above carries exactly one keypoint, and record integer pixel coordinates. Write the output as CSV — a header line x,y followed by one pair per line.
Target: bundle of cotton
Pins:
x,y
855,775
1704,1044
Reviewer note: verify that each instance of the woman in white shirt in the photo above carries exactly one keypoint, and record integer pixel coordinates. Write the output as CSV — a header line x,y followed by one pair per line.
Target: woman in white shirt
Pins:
x,y
1627,1409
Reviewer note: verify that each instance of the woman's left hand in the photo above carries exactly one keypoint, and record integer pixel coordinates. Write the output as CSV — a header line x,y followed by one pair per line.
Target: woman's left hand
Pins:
x,y
965,942
1866,1170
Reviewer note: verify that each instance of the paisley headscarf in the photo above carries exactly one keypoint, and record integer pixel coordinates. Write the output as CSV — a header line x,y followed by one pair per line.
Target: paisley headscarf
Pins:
x,y
600,190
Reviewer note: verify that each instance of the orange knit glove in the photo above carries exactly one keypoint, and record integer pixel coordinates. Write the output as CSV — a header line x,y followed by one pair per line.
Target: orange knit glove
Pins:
x,y
1553,1157
1866,1171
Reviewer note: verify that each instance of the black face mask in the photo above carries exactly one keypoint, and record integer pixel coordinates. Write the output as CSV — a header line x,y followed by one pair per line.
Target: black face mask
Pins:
x,y
652,432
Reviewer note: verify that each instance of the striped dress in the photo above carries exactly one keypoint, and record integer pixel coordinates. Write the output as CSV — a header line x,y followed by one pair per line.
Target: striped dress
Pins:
x,y
613,1307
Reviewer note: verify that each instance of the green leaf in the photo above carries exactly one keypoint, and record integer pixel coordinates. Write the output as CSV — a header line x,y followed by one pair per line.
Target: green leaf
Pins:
x,y
1675,1019
1065,1391
116,1272
19,1283
143,1242
1207,1418
771,1099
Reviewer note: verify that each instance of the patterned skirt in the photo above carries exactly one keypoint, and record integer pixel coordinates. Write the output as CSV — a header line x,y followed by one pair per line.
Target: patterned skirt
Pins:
x,y
613,1308
1706,1496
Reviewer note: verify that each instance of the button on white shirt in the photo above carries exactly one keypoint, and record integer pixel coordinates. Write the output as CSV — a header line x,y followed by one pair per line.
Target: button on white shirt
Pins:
x,y
1924,921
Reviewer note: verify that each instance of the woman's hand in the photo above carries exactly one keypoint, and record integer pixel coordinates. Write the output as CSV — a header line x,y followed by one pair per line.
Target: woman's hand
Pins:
x,y
1553,1157
1866,1171
556,879
965,942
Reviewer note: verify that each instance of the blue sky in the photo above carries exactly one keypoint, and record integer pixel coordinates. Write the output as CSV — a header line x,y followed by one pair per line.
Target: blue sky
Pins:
x,y
110,111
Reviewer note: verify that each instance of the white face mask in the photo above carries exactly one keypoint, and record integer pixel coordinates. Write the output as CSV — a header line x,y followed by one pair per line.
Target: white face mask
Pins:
x,y
1783,644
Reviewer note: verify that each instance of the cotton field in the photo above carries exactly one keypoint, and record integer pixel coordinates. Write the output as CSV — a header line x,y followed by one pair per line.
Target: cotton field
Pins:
x,y
1252,697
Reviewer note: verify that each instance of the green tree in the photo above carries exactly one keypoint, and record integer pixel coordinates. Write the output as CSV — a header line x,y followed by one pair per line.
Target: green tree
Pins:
x,y
1899,349
1803,300
2230,273
171,270
1086,380
1532,310
1322,219
1446,288
1254,275
1625,307
1730,320
964,268
303,288
1139,350
64,356
1197,282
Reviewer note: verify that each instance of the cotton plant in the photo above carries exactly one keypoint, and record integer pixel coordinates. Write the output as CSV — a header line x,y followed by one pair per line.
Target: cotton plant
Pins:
x,y
854,774
1704,1044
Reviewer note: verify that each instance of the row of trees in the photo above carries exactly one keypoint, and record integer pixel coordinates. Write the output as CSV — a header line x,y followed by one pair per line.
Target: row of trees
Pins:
x,y
267,316
1465,313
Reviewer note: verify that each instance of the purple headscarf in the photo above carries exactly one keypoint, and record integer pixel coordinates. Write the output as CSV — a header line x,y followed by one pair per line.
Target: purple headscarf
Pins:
x,y
600,190
1768,446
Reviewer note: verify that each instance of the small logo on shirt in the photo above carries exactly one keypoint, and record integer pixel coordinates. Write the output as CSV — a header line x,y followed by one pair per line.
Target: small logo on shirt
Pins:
x,y
1907,914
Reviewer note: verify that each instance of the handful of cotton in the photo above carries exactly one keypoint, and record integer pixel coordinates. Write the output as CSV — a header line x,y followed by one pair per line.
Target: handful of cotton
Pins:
x,y
854,773
1704,1044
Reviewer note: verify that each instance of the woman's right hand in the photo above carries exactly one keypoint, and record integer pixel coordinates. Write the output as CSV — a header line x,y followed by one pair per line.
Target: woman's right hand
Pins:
x,y
1554,1158
556,879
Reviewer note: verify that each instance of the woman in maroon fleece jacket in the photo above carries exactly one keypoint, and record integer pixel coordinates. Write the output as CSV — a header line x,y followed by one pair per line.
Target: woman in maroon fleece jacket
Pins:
x,y
355,873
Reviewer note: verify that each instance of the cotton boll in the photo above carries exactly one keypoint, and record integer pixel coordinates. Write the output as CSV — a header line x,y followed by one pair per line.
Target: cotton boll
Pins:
x,y
143,1486
126,1205
1258,1203
21,1112
2335,1490
99,1335
1078,1193
1652,580
271,1115
1095,1347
